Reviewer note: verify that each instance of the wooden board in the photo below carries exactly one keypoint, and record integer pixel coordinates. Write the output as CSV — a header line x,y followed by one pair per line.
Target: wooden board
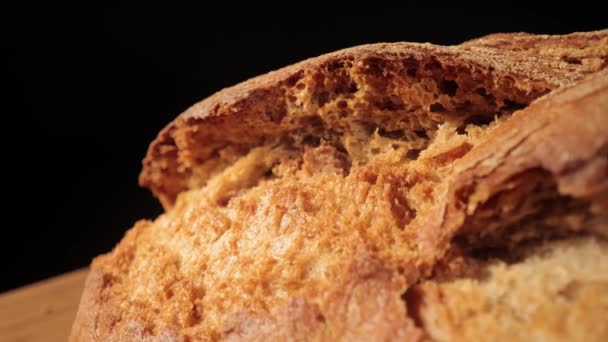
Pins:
x,y
42,311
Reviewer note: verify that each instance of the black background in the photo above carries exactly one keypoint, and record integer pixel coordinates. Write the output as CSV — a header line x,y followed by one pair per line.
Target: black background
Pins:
x,y
90,87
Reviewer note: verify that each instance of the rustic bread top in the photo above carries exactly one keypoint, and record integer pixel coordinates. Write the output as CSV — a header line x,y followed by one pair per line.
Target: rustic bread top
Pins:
x,y
412,87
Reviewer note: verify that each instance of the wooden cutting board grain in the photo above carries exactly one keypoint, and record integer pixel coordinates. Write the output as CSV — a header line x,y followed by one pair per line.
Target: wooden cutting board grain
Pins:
x,y
42,311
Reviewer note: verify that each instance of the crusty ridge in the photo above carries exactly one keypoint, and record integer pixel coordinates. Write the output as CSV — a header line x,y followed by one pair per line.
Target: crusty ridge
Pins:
x,y
453,82
562,136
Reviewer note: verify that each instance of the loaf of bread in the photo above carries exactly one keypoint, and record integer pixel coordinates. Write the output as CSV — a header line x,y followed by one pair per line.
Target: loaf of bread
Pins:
x,y
384,192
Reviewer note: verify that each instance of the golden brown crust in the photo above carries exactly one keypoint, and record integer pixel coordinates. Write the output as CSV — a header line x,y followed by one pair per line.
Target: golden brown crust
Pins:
x,y
257,106
368,307
587,49
325,247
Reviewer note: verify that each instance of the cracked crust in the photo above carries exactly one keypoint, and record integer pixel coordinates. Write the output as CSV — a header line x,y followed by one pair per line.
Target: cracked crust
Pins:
x,y
564,134
269,262
255,107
